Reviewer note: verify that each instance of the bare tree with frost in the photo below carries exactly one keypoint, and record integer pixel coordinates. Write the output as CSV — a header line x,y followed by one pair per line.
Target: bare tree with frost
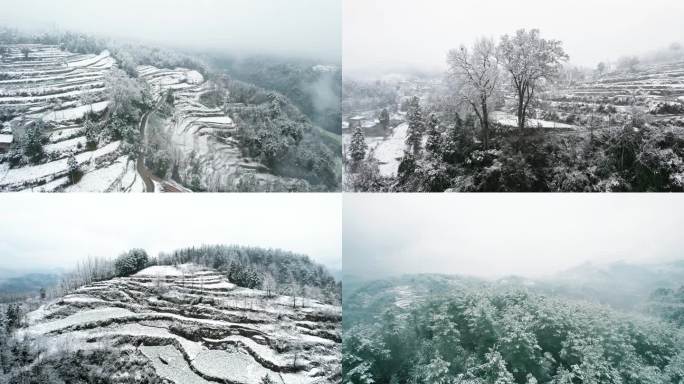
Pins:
x,y
530,61
475,73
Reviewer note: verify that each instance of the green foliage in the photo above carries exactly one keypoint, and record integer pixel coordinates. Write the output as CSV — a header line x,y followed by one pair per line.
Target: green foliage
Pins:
x,y
508,335
274,131
130,262
244,276
669,305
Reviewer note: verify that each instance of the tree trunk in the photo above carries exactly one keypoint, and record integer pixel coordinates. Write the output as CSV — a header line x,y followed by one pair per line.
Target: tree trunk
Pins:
x,y
521,112
485,126
522,119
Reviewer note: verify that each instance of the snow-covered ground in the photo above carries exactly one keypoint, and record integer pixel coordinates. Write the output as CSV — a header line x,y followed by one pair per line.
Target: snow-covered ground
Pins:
x,y
18,178
60,88
197,327
207,133
511,120
389,151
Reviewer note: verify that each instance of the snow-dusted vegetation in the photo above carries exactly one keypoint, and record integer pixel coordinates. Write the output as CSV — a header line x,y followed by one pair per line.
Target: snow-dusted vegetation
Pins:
x,y
511,114
450,329
49,97
180,322
80,114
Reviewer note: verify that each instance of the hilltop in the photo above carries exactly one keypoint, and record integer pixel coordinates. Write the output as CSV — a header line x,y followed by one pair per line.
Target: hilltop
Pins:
x,y
190,324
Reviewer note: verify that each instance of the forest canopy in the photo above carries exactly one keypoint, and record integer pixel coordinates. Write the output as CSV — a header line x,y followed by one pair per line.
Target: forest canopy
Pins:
x,y
504,334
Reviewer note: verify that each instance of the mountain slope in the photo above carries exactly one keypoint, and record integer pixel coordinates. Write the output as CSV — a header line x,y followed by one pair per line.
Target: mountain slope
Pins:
x,y
195,326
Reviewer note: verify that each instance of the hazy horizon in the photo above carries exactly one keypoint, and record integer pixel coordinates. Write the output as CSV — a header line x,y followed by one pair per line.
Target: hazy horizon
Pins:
x,y
298,28
46,231
401,35
493,236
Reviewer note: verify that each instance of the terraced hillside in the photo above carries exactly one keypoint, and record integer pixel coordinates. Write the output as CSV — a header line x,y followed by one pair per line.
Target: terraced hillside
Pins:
x,y
654,89
201,138
194,326
80,122
44,85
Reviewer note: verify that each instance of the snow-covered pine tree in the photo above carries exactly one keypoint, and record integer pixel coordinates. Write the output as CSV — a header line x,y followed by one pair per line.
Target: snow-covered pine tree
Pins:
x,y
434,136
358,146
384,119
73,167
416,126
32,142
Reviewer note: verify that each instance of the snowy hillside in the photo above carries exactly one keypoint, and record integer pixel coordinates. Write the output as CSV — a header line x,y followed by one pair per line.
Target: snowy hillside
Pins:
x,y
44,85
200,136
194,326
137,120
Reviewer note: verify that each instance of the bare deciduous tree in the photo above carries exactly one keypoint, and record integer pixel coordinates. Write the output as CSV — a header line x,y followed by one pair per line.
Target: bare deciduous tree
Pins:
x,y
530,61
476,76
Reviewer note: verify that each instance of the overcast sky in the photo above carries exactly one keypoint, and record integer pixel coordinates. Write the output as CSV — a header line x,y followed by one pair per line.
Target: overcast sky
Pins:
x,y
45,230
309,28
493,235
394,34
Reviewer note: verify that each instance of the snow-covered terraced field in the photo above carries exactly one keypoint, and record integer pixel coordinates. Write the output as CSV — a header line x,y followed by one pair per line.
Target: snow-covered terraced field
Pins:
x,y
59,88
197,327
207,133
615,96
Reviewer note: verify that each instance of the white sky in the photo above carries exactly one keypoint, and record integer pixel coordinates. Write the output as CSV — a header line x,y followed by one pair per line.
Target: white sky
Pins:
x,y
493,235
49,230
309,28
395,34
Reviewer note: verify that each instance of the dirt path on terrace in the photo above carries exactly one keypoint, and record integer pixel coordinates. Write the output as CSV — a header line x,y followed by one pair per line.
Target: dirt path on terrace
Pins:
x,y
148,177
144,173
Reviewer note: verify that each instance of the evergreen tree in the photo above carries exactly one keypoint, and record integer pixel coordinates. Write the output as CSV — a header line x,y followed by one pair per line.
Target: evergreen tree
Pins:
x,y
452,145
32,145
437,371
90,130
434,140
416,126
73,168
384,119
358,146
131,262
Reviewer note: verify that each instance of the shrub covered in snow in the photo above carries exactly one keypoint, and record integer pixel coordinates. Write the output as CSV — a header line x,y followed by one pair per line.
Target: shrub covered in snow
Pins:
x,y
131,262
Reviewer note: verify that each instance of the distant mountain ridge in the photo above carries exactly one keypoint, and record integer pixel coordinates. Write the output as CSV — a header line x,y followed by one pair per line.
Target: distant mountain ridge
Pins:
x,y
620,285
19,283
